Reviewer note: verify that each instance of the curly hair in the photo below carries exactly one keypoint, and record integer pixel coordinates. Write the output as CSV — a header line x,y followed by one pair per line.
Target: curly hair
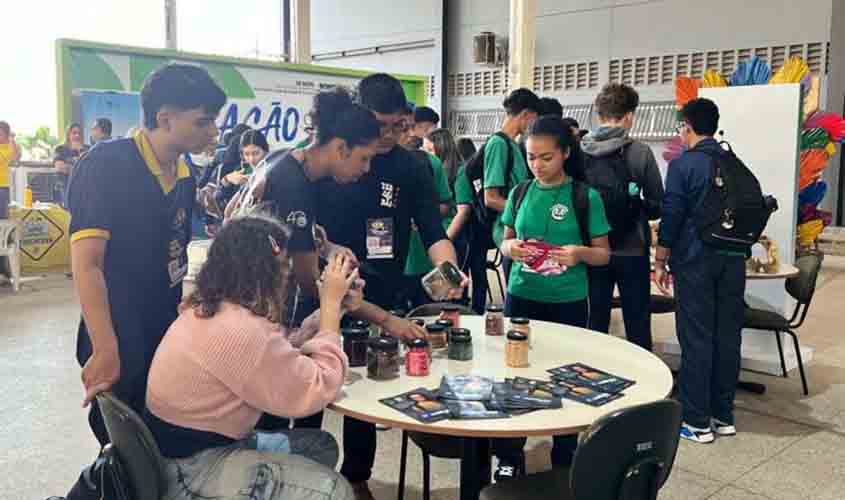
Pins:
x,y
243,268
616,100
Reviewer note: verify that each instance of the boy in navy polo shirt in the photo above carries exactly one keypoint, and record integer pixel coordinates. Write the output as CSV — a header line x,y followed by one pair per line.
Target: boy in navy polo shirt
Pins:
x,y
131,202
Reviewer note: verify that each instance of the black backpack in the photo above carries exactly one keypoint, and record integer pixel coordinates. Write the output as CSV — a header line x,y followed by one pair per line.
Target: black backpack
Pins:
x,y
484,218
580,202
610,176
733,212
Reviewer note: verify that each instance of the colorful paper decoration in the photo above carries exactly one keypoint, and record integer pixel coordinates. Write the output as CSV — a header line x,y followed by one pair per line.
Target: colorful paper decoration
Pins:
x,y
752,71
813,161
812,194
793,71
713,78
686,89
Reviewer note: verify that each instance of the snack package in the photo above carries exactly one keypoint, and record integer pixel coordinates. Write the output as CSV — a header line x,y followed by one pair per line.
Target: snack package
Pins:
x,y
537,394
466,387
420,404
587,376
474,410
541,262
582,394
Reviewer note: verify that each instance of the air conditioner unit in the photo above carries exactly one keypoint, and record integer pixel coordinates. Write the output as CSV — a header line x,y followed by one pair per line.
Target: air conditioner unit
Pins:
x,y
484,49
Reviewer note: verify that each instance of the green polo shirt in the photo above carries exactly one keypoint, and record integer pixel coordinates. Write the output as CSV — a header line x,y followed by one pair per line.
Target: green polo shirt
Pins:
x,y
418,261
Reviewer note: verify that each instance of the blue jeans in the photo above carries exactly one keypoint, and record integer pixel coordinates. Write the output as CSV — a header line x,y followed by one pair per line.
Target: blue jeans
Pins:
x,y
258,468
633,275
709,290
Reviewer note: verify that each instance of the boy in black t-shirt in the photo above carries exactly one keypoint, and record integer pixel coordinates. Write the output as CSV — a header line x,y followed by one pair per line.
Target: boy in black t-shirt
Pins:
x,y
130,202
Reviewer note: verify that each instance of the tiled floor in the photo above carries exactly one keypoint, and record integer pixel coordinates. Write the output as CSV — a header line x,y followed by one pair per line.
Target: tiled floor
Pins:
x,y
790,447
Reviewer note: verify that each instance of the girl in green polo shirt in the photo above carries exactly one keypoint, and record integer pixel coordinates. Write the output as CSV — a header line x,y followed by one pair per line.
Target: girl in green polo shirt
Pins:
x,y
555,288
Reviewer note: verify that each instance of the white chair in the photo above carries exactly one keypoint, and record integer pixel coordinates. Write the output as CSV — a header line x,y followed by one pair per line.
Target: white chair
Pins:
x,y
10,247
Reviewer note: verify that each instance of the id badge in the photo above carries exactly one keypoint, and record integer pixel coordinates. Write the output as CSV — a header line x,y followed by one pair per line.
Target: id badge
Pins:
x,y
380,238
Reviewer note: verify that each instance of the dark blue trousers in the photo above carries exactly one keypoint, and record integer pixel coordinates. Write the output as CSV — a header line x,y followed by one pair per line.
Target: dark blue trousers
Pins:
x,y
633,275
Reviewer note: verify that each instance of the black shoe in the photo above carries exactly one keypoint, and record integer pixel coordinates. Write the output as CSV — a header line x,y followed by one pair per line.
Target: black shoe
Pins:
x,y
509,468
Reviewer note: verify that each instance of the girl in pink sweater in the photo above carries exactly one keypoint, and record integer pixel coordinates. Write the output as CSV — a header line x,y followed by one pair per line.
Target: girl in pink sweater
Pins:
x,y
226,360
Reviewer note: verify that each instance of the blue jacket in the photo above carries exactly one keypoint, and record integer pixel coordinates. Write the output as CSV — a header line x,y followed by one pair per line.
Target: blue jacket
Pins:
x,y
686,182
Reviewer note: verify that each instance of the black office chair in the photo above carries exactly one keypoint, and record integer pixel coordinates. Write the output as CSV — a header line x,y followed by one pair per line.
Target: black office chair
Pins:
x,y
626,455
494,265
801,288
136,448
431,445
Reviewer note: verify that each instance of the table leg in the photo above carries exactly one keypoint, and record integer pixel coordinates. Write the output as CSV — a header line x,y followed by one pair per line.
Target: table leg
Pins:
x,y
475,467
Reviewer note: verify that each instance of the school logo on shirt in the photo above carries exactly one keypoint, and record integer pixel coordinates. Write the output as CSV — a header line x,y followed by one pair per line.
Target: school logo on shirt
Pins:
x,y
559,211
389,195
297,219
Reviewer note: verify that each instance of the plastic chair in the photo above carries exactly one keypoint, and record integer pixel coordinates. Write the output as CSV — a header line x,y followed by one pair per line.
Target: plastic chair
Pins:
x,y
136,447
626,455
431,445
801,288
10,247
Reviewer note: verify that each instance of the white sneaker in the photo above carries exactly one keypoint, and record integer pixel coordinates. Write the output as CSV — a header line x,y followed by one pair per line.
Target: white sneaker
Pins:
x,y
697,434
722,429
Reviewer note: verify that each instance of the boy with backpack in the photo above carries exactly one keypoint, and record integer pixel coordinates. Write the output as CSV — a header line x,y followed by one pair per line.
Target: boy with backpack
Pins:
x,y
709,275
497,168
626,175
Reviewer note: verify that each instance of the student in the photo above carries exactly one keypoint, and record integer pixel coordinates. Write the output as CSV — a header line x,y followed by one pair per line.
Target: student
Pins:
x,y
550,106
130,202
65,157
254,148
610,147
466,149
9,152
372,217
100,130
522,107
418,263
554,209
425,120
229,346
709,285
577,131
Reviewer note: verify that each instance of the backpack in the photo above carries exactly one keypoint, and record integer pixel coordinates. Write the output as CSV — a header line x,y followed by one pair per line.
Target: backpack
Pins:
x,y
484,218
610,176
580,202
733,212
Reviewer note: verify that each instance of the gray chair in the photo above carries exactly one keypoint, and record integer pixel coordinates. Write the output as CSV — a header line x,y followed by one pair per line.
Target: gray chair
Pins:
x,y
626,455
801,288
136,448
431,445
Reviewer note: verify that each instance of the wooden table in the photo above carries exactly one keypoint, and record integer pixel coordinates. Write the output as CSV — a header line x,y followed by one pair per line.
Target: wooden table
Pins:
x,y
553,345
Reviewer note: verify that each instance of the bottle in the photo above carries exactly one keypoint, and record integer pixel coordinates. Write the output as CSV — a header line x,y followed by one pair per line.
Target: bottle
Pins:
x,y
452,313
494,322
417,359
523,326
436,334
27,197
383,358
355,342
460,345
516,351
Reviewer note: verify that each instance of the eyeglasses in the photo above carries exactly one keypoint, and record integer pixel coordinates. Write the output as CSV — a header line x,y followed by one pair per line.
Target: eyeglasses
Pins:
x,y
397,128
679,128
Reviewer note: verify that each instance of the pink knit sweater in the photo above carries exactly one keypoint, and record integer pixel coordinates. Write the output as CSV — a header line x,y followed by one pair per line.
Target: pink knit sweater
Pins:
x,y
219,374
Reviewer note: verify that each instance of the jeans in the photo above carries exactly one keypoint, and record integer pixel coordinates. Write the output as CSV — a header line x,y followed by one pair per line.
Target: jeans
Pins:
x,y
251,469
710,291
566,313
633,275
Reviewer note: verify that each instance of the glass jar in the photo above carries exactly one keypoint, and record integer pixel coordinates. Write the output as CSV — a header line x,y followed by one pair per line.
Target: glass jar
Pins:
x,y
452,313
417,359
383,358
436,334
441,280
355,343
494,322
460,344
523,326
362,324
516,350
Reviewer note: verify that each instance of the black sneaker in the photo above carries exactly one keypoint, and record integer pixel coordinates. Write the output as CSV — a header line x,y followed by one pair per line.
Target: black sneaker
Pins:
x,y
509,469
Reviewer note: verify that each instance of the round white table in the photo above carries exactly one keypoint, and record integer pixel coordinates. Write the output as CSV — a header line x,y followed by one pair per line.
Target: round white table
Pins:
x,y
784,271
553,345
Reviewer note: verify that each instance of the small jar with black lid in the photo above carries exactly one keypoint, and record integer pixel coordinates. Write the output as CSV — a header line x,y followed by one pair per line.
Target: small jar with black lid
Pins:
x,y
436,334
494,321
355,343
363,324
523,326
417,359
383,358
516,350
460,344
453,313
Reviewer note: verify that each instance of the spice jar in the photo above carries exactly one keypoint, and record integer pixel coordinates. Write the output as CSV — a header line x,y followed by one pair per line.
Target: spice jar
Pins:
x,y
436,334
460,344
417,359
452,313
355,342
362,324
516,350
441,280
383,358
494,322
523,326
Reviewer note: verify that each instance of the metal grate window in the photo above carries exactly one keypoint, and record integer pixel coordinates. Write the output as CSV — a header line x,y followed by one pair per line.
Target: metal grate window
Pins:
x,y
572,76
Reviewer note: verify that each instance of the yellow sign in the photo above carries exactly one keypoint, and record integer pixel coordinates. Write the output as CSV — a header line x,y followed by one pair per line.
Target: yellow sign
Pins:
x,y
44,239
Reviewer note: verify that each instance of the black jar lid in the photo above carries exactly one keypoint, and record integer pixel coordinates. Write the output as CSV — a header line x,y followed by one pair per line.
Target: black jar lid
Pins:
x,y
384,344
353,333
519,321
359,323
515,335
451,308
494,308
418,321
445,323
435,328
419,344
460,336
